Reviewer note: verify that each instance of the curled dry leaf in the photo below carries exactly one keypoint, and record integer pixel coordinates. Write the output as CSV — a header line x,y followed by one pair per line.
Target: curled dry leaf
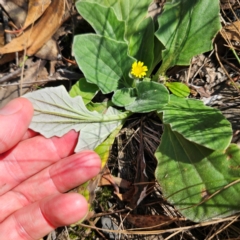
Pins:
x,y
36,9
34,37
232,32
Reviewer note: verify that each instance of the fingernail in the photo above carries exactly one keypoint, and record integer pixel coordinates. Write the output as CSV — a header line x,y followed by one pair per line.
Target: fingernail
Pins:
x,y
11,108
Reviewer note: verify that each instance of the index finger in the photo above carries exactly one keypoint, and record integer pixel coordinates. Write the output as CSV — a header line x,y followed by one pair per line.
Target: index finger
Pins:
x,y
31,156
15,118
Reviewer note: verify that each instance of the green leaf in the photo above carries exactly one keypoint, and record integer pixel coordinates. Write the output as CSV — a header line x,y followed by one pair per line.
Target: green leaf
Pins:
x,y
141,43
103,61
102,19
118,20
124,96
83,190
56,113
158,47
84,89
178,89
132,12
201,183
187,28
99,107
103,150
95,133
151,96
198,123
115,4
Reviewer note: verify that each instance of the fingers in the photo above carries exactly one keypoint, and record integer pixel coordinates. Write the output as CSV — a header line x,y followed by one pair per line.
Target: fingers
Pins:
x,y
29,134
38,219
58,178
15,118
31,156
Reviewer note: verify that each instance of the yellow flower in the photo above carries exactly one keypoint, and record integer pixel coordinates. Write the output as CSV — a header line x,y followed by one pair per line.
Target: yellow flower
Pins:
x,y
138,69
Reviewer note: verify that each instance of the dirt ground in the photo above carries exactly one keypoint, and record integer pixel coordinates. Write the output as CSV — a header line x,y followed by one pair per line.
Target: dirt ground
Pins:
x,y
213,77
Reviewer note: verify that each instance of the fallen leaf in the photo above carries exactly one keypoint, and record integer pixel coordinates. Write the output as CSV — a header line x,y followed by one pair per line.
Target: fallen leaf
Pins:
x,y
20,3
35,10
35,37
8,57
48,51
149,221
232,32
17,13
110,180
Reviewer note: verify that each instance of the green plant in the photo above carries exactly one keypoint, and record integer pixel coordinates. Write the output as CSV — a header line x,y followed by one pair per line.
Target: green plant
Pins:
x,y
198,168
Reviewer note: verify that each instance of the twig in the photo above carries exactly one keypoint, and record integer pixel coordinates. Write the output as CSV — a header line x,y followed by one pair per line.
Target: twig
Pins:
x,y
10,76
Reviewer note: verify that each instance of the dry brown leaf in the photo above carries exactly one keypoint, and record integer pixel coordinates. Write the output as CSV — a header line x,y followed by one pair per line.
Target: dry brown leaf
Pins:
x,y
110,180
149,221
17,14
232,31
52,18
20,3
34,38
8,58
36,9
48,51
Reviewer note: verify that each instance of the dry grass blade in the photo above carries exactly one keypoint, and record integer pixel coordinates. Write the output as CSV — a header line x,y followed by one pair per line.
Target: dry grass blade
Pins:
x,y
35,37
137,231
223,228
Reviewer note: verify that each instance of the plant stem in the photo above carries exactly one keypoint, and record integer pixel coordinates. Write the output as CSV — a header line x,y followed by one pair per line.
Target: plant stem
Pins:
x,y
235,54
160,74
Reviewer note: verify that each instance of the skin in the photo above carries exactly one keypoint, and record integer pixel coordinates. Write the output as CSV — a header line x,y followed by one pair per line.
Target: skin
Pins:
x,y
35,173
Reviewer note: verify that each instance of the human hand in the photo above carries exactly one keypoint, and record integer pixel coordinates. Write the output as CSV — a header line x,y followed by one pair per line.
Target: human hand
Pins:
x,y
34,174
